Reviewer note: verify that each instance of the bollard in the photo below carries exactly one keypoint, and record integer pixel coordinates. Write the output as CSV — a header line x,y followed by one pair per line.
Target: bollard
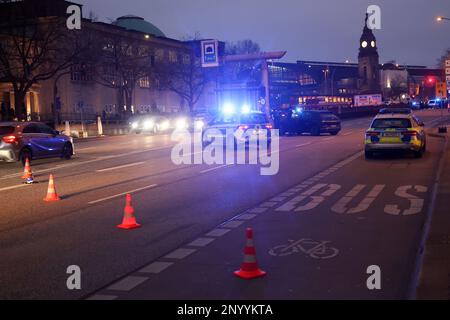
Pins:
x,y
99,126
67,128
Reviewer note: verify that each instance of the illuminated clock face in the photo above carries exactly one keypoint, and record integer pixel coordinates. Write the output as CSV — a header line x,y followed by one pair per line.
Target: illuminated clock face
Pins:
x,y
372,44
364,44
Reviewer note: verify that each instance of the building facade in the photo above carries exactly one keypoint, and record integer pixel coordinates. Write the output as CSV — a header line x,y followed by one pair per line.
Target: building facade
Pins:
x,y
82,92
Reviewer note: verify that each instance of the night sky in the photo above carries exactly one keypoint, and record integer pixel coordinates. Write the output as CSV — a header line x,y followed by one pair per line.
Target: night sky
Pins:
x,y
322,30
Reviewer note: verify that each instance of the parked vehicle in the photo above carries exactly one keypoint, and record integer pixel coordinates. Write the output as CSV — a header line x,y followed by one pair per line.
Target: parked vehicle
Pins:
x,y
395,132
32,140
315,122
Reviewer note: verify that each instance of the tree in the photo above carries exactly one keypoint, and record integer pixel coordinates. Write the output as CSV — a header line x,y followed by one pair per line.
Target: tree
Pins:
x,y
441,60
241,70
120,63
34,50
398,86
186,78
185,75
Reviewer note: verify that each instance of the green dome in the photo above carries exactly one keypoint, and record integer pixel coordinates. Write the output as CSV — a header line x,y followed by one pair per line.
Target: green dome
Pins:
x,y
139,24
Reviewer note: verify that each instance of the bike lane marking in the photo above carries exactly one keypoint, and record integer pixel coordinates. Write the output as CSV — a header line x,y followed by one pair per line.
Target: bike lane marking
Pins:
x,y
159,266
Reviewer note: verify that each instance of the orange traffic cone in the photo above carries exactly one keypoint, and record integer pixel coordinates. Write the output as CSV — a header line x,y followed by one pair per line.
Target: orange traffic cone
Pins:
x,y
129,220
51,191
249,268
27,170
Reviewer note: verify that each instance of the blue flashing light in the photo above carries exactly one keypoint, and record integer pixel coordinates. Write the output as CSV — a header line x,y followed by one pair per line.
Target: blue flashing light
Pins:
x,y
228,108
245,109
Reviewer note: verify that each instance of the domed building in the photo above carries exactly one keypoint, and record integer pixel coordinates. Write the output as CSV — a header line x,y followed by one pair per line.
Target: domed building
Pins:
x,y
131,22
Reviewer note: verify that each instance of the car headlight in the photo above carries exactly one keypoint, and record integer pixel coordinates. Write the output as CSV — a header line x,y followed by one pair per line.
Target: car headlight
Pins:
x,y
199,124
181,124
134,125
164,125
148,124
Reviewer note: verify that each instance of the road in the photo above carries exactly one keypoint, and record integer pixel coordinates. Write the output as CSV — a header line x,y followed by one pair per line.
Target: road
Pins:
x,y
178,204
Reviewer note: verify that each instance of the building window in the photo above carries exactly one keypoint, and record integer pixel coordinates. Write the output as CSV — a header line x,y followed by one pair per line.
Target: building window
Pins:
x,y
186,59
173,58
305,79
143,51
144,82
80,73
109,46
159,55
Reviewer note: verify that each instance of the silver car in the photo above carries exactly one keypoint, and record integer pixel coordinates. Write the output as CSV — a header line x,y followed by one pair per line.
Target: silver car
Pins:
x,y
32,140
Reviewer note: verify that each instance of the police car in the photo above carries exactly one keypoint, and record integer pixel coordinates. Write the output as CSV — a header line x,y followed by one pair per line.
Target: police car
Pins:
x,y
395,132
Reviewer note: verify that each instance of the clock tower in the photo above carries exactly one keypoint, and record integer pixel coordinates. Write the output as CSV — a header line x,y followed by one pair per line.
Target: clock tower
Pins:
x,y
368,62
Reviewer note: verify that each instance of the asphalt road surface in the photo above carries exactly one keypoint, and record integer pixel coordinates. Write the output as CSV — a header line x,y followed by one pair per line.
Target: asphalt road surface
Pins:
x,y
340,213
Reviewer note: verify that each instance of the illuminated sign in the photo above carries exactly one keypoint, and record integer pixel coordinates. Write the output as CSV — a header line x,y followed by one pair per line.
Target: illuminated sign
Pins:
x,y
210,53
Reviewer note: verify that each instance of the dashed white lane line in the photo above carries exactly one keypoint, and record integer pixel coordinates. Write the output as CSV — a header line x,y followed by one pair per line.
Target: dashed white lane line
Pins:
x,y
128,283
122,194
348,133
100,297
246,216
303,144
121,167
73,164
180,253
156,267
258,210
277,199
13,187
268,204
233,224
200,242
216,168
217,232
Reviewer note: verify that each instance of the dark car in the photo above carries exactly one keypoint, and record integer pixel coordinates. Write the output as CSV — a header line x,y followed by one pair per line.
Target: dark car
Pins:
x,y
252,123
32,140
315,122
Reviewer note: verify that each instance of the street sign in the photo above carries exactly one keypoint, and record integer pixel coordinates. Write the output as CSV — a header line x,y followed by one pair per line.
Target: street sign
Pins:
x,y
210,53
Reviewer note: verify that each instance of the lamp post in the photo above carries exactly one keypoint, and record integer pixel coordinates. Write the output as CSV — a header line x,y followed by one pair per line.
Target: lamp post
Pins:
x,y
440,19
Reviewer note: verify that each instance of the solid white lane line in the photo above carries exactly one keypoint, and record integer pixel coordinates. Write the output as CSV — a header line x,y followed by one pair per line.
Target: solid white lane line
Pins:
x,y
13,187
123,193
216,168
120,167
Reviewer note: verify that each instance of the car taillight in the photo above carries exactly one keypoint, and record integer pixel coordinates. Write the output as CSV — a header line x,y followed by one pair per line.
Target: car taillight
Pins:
x,y
269,126
410,133
243,127
372,133
9,139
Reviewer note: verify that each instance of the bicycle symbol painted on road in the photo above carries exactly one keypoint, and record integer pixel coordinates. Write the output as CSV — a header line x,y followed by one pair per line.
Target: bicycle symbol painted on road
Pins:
x,y
314,249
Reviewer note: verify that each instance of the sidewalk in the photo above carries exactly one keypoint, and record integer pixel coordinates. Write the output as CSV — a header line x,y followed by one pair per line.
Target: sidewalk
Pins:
x,y
434,282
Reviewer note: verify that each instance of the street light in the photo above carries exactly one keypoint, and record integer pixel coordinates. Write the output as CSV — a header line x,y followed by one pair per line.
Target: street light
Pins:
x,y
439,19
